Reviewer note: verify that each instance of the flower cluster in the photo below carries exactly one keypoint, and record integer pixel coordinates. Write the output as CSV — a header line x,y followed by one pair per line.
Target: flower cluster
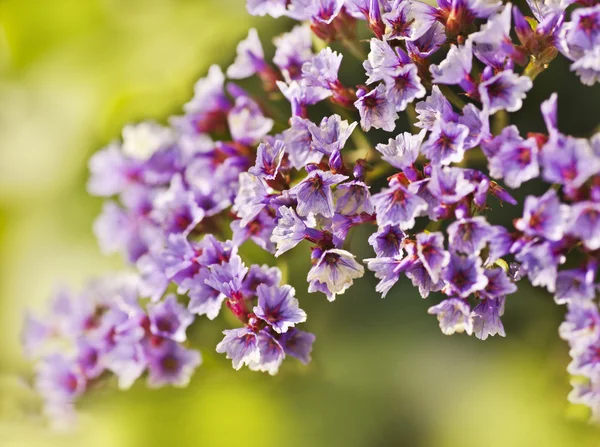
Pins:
x,y
185,197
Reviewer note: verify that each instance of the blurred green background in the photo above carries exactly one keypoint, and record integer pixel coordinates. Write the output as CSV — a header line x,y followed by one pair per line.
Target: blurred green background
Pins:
x,y
72,73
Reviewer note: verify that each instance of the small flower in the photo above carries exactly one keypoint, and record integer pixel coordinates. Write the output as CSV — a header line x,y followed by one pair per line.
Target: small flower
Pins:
x,y
331,134
434,109
403,86
446,144
268,160
290,230
250,57
408,20
569,161
271,354
504,91
376,110
142,141
449,184
322,70
247,123
541,262
470,236
486,318
172,364
584,223
353,198
204,300
396,205
383,60
169,319
431,252
336,269
454,315
387,271
314,193
227,278
387,241
278,307
465,275
516,162
298,344
241,347
298,143
544,216
574,285
293,49
456,67
59,379
401,152
582,324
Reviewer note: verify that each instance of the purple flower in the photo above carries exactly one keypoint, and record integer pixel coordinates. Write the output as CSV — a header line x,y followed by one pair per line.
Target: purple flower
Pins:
x,y
274,8
403,86
336,270
298,143
504,91
172,364
569,161
322,70
59,379
478,123
544,216
247,123
300,95
270,354
586,360
396,205
470,236
376,110
298,344
582,324
268,160
434,109
250,57
540,261
449,184
499,284
465,275
169,319
383,60
176,208
251,198
456,67
401,152
314,193
209,96
421,279
278,307
585,29
293,49
446,144
257,275
143,140
454,315
408,19
325,11
516,162
227,278
584,223
353,198
387,271
428,43
387,241
127,360
204,300
290,230
431,252
486,318
492,44
241,347
331,135
574,285
111,171
259,230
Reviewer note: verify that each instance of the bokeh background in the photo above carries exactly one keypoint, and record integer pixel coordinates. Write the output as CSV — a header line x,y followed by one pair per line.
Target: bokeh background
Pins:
x,y
72,73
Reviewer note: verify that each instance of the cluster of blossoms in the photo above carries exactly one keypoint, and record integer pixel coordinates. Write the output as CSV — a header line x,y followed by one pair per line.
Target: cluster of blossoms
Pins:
x,y
186,196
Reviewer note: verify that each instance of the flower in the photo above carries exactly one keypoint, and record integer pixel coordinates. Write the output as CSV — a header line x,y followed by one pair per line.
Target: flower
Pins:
x,y
396,205
376,110
464,275
504,91
454,315
278,307
544,216
314,193
336,270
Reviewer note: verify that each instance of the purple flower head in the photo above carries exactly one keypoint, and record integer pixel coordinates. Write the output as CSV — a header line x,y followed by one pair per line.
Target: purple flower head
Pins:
x,y
383,60
431,252
298,344
387,241
336,270
446,144
36,333
428,43
582,324
172,364
454,315
456,67
387,271
59,379
569,161
516,162
504,91
251,199
250,57
408,20
259,230
421,279
278,307
486,318
585,31
331,134
376,110
290,229
401,152
257,275
293,49
465,275
434,109
111,171
204,300
449,184
324,11
322,70
586,360
209,96
227,278
176,208
499,284
403,86
268,160
469,236
584,223
574,285
478,123
492,45
127,361
396,205
298,143
247,123
169,319
241,347
271,354
300,95
544,216
540,261
141,141
314,193
353,198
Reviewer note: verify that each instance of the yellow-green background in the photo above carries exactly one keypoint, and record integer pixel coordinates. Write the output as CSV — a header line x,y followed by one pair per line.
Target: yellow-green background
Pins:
x,y
72,73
